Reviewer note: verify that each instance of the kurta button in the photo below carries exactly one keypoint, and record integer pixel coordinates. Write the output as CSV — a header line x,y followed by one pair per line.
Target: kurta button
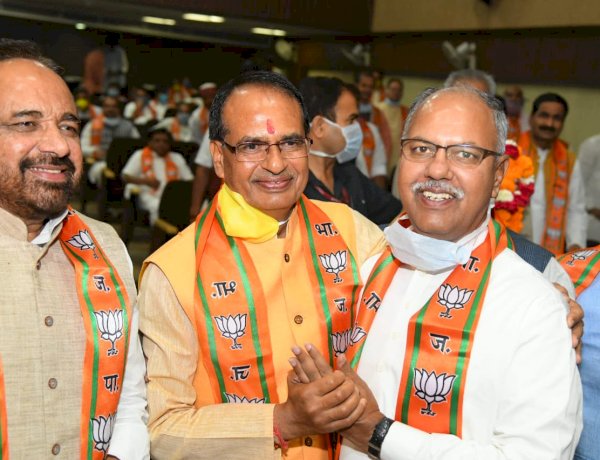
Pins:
x,y
48,321
55,449
38,265
52,383
286,257
298,319
308,441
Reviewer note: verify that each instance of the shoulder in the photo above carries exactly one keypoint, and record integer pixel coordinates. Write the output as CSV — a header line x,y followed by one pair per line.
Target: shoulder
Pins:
x,y
177,252
515,284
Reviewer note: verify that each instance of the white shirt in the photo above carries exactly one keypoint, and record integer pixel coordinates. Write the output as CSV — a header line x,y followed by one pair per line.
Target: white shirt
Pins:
x,y
523,395
133,167
576,228
194,124
203,157
147,113
130,439
589,159
379,159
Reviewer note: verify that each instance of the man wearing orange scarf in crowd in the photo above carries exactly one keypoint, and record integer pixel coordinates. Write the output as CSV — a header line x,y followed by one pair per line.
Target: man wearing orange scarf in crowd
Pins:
x,y
67,294
556,218
262,269
152,168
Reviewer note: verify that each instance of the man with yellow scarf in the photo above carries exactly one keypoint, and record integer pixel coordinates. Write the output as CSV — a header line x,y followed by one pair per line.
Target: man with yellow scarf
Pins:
x,y
556,218
262,269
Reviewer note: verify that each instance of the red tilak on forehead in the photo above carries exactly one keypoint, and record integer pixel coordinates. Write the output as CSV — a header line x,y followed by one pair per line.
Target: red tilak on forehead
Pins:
x,y
270,126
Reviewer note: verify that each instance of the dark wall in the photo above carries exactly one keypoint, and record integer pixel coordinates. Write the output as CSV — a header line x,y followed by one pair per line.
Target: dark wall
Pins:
x,y
151,60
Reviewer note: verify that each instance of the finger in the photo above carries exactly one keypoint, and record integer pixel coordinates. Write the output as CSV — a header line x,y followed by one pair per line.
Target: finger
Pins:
x,y
562,290
298,371
320,362
307,363
351,419
340,394
578,351
575,314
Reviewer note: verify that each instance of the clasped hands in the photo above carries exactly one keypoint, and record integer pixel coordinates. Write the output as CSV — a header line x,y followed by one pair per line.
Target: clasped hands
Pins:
x,y
323,400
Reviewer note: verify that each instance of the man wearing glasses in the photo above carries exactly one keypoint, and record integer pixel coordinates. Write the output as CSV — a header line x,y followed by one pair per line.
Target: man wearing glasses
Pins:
x,y
468,356
262,269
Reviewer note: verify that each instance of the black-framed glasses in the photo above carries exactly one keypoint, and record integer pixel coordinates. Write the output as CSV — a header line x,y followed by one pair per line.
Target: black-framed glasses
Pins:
x,y
258,151
465,155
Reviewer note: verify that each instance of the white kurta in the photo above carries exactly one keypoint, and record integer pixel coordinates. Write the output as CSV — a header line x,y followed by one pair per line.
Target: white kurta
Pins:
x,y
535,215
523,393
589,159
149,198
379,160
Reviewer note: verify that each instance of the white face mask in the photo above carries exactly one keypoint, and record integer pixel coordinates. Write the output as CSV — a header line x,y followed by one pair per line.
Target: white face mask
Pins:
x,y
424,253
352,135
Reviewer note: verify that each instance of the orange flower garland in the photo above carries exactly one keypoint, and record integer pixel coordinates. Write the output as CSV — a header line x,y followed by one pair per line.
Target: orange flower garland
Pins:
x,y
516,188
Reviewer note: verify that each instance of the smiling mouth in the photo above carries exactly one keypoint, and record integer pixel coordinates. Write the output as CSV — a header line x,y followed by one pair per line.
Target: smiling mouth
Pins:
x,y
432,196
47,171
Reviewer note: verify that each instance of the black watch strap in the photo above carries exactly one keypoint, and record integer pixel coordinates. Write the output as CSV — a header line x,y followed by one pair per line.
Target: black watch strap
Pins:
x,y
379,433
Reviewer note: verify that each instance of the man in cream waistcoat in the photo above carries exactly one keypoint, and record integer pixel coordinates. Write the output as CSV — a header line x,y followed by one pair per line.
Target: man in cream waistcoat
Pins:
x,y
67,292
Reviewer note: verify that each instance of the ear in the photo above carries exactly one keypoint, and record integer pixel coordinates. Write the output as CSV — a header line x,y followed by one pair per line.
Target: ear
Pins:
x,y
500,169
216,150
317,127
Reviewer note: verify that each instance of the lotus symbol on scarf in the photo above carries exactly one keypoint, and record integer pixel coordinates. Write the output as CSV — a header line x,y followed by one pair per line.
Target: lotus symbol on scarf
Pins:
x,y
83,241
232,327
334,263
581,255
452,298
102,428
110,325
432,388
235,399
342,340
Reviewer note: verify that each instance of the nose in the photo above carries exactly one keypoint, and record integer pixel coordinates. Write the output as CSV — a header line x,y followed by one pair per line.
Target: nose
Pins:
x,y
274,161
439,166
54,141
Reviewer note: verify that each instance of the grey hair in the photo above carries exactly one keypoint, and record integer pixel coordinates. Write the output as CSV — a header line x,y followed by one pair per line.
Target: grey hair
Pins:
x,y
492,102
456,77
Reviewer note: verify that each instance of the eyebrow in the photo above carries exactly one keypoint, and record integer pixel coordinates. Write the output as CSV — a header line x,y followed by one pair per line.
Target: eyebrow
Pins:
x,y
71,117
264,139
27,113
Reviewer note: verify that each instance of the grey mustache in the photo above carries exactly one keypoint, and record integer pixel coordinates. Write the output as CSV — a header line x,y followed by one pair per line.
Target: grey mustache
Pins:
x,y
438,186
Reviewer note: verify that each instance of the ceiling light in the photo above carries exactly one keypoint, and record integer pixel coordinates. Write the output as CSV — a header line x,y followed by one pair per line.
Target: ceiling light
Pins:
x,y
203,17
160,21
265,31
80,26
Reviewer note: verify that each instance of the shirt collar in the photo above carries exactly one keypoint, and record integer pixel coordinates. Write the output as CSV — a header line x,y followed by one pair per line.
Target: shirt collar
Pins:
x,y
46,234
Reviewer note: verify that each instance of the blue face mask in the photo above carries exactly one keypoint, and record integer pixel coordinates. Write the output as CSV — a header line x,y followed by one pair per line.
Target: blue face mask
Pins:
x,y
353,136
112,92
183,118
163,98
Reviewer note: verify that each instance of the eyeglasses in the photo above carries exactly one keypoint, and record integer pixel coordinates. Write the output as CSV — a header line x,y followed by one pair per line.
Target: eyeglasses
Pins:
x,y
258,151
464,155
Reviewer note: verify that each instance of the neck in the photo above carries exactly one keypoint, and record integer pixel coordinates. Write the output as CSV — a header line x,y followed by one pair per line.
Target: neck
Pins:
x,y
322,168
33,228
543,143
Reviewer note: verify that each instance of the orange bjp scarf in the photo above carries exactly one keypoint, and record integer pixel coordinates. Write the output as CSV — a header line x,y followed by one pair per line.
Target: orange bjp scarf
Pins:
x,y
557,170
440,336
106,313
148,165
582,265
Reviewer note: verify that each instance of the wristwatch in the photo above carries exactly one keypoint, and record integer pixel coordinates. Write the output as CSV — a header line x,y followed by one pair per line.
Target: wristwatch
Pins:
x,y
379,433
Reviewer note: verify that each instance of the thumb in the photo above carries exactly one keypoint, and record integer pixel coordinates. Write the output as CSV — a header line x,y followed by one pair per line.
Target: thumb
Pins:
x,y
343,364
